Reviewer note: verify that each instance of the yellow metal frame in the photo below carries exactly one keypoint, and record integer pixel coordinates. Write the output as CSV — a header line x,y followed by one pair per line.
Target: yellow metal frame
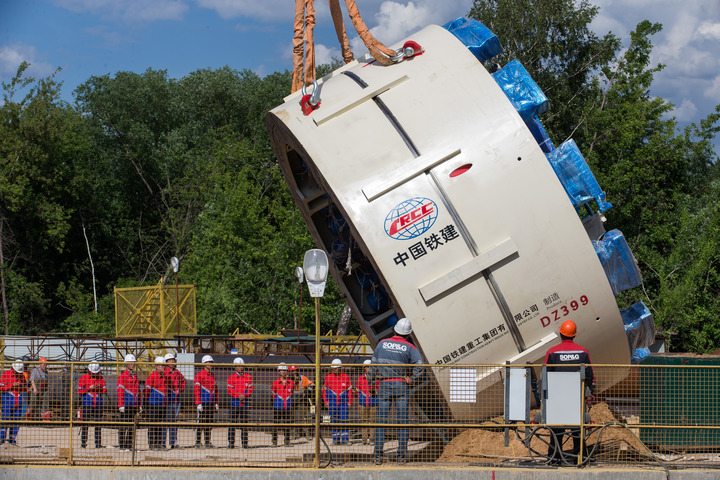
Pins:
x,y
160,311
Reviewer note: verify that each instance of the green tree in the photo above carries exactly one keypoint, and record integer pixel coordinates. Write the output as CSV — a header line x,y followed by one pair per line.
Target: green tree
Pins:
x,y
41,139
553,41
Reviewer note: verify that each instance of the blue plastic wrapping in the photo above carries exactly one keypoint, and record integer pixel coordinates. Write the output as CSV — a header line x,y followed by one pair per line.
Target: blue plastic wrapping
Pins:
x,y
521,90
639,326
639,354
575,175
481,42
541,137
618,261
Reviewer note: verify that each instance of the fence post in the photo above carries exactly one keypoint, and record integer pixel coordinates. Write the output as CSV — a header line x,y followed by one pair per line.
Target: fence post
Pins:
x,y
72,412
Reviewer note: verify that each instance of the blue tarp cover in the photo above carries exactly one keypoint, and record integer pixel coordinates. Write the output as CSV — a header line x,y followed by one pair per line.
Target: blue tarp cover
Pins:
x,y
541,137
618,261
521,90
575,175
481,42
639,326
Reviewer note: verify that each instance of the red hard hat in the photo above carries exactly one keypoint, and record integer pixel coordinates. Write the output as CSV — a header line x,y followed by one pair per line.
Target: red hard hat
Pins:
x,y
568,328
292,368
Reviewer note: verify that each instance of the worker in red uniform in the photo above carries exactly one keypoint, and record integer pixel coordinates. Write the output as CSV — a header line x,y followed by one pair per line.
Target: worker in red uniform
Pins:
x,y
155,398
282,390
239,387
129,402
176,386
206,400
567,357
367,401
338,396
91,388
12,387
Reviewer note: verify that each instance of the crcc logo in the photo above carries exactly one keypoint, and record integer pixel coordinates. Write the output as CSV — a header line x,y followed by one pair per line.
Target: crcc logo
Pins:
x,y
411,218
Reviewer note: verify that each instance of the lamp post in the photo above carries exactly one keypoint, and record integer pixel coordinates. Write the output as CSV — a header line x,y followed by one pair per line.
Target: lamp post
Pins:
x,y
315,265
175,265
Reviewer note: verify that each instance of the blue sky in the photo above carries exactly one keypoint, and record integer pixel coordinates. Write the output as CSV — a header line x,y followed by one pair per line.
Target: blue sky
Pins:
x,y
97,37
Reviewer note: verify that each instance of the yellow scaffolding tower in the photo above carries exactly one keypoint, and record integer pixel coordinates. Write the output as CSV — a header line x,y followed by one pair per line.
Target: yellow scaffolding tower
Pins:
x,y
160,311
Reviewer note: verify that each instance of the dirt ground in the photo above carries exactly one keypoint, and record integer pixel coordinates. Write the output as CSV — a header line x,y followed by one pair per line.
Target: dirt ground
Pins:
x,y
487,445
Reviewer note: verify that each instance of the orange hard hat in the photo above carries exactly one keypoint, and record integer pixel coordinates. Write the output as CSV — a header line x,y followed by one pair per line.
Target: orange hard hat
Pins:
x,y
43,359
292,368
568,328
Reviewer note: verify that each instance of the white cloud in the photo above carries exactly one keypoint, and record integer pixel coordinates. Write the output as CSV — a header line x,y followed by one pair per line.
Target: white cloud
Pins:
x,y
709,30
12,55
397,20
129,11
686,112
324,54
713,91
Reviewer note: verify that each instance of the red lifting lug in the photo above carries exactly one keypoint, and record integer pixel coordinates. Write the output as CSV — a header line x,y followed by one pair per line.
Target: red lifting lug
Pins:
x,y
306,106
416,49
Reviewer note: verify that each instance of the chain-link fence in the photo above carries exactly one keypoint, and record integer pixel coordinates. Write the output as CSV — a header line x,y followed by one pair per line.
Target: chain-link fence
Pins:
x,y
264,415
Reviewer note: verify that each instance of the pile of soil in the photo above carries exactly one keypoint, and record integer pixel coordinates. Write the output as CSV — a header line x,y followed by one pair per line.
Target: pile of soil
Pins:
x,y
487,445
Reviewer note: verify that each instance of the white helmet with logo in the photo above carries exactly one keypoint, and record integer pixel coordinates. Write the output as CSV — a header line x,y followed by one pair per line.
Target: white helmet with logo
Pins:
x,y
18,367
207,359
367,362
159,360
403,327
130,358
337,363
282,367
94,367
238,361
169,356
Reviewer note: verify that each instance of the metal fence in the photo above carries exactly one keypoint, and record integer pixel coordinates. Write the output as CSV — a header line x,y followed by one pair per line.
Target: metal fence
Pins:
x,y
455,416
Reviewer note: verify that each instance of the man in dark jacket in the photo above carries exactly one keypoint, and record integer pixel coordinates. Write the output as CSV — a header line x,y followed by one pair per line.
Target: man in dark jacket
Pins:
x,y
567,357
390,367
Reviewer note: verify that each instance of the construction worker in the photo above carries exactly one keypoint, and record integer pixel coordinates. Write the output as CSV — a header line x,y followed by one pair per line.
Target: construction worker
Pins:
x,y
155,398
304,397
338,396
367,401
239,387
38,390
567,357
206,400
282,390
129,402
12,387
176,386
91,388
390,368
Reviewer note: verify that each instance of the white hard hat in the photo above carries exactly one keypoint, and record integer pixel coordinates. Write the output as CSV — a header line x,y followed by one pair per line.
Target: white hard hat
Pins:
x,y
282,367
367,362
159,360
130,358
238,361
94,367
169,356
337,363
403,327
18,367
207,359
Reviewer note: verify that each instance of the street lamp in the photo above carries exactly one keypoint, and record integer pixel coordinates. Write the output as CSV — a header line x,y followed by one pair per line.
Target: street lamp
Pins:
x,y
175,265
315,265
